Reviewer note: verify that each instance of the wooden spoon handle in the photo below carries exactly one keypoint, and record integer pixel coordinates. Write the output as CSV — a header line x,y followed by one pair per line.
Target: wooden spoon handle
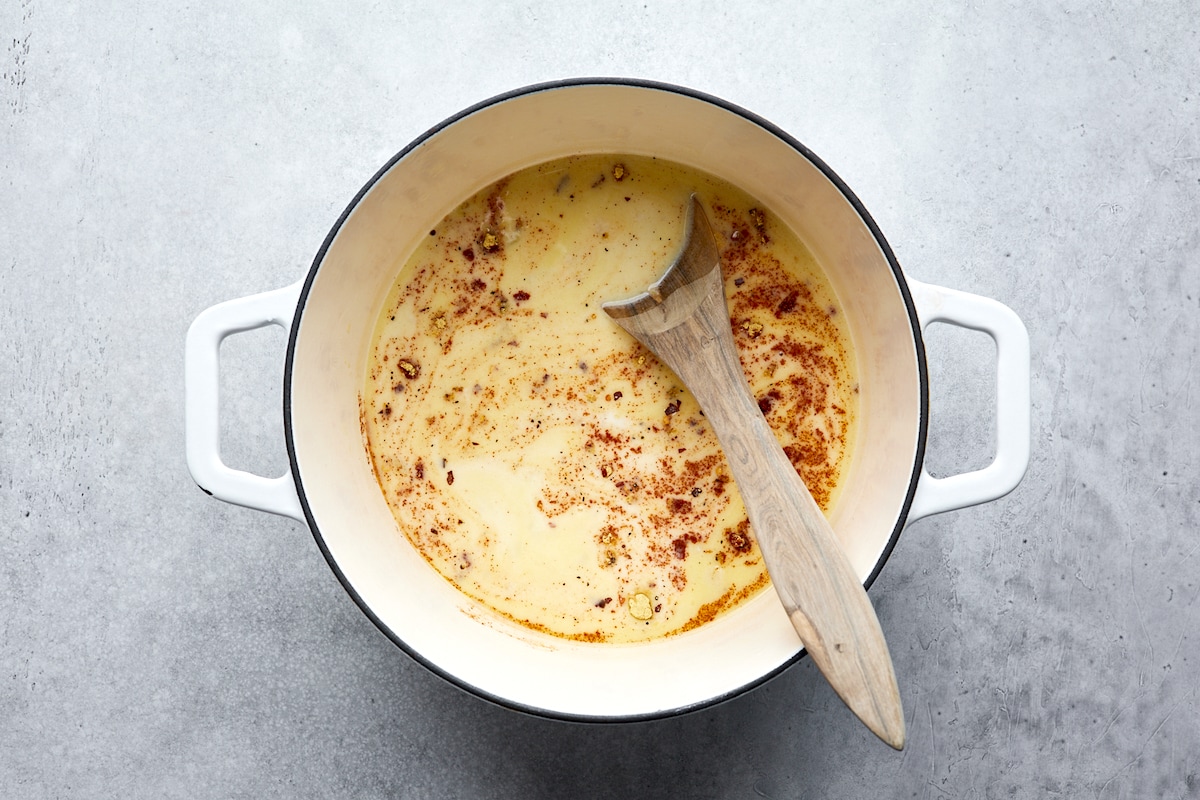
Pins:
x,y
822,595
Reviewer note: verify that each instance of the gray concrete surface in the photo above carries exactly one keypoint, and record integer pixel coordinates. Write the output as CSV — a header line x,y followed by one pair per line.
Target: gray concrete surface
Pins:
x,y
156,158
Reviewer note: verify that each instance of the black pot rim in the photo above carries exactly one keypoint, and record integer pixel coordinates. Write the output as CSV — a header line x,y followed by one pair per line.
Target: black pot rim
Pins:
x,y
641,84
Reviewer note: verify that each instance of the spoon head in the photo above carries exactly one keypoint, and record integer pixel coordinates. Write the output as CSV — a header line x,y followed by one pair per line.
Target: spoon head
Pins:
x,y
698,259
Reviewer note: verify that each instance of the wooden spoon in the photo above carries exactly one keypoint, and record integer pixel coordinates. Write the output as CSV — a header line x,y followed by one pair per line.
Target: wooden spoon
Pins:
x,y
683,319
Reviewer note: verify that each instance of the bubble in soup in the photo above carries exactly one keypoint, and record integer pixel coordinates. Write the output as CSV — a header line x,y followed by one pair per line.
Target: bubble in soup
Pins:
x,y
544,462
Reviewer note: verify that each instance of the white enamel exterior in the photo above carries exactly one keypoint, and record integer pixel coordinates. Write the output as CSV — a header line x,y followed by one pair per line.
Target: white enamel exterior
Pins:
x,y
327,358
939,304
201,380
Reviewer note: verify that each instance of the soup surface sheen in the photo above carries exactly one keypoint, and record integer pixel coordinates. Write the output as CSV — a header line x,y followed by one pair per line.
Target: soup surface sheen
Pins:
x,y
547,464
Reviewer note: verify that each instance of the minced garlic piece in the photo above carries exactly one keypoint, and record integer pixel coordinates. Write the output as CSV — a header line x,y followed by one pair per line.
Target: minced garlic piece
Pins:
x,y
639,606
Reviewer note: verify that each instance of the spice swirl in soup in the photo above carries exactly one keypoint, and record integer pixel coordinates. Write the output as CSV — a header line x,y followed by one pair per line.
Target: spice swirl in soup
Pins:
x,y
544,462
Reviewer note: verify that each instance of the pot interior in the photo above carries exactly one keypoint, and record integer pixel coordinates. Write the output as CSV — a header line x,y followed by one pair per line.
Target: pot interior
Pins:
x,y
344,294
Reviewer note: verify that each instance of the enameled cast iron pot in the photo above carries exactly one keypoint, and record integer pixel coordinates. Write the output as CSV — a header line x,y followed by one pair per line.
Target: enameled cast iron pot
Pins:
x,y
330,314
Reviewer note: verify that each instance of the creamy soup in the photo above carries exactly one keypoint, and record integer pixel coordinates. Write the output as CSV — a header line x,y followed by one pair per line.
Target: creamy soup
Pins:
x,y
542,460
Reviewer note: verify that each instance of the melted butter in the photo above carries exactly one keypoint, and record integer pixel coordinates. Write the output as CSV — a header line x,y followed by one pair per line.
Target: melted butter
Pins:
x,y
543,461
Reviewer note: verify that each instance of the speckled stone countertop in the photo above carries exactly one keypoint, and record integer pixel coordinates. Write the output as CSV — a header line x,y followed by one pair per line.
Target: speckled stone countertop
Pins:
x,y
159,158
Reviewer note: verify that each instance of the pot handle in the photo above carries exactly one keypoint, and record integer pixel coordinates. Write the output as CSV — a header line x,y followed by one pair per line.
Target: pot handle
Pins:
x,y
201,401
939,304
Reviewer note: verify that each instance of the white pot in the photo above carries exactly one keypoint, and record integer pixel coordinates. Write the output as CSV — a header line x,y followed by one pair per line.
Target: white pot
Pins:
x,y
330,316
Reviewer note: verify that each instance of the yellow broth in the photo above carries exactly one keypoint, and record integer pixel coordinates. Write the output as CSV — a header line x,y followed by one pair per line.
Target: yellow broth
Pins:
x,y
544,462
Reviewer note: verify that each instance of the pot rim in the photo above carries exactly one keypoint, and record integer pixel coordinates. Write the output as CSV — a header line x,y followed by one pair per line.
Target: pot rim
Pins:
x,y
637,83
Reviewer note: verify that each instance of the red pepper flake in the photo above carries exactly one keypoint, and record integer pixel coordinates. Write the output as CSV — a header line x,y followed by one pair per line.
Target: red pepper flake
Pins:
x,y
450,478
420,470
603,603
478,285
788,304
469,254
617,395
673,407
679,506
520,295
680,548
